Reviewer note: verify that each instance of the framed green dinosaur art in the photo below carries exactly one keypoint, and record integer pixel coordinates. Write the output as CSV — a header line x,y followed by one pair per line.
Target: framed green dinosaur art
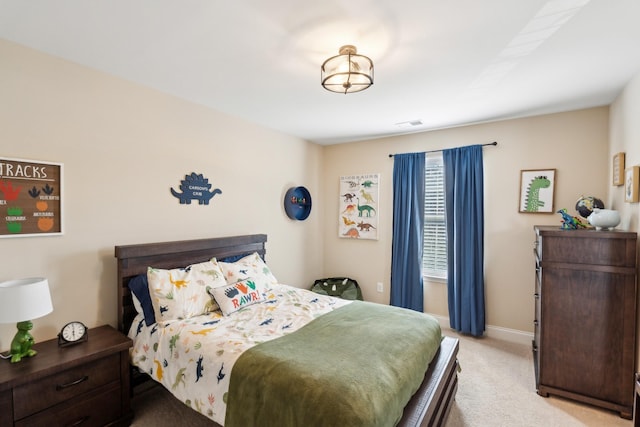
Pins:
x,y
536,190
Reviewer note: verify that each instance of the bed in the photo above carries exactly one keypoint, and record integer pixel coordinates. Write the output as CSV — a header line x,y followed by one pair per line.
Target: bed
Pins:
x,y
428,406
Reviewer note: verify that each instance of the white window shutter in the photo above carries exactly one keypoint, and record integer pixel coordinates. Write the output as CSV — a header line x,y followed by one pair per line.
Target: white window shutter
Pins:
x,y
434,259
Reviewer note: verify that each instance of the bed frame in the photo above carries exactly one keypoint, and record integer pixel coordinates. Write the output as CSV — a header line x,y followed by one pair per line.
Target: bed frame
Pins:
x,y
428,407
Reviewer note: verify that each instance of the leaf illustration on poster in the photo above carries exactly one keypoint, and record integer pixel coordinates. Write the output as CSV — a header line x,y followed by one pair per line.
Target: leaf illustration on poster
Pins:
x,y
359,207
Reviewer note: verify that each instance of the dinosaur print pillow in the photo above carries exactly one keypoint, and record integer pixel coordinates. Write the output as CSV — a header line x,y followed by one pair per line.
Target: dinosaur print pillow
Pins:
x,y
183,293
250,266
232,298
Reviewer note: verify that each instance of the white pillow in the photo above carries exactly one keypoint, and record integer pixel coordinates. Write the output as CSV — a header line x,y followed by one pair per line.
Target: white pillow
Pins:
x,y
251,266
182,293
244,293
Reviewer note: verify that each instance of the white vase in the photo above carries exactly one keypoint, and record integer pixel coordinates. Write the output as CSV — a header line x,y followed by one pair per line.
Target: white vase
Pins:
x,y
604,218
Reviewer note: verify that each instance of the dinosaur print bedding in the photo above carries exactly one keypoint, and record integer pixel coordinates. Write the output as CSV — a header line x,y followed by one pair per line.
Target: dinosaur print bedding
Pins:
x,y
193,358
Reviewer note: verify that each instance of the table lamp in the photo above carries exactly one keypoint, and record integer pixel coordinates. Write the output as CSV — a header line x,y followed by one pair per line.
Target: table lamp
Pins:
x,y
21,301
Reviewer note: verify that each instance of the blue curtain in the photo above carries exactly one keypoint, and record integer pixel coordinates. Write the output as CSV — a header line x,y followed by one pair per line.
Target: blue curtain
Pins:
x,y
408,223
464,209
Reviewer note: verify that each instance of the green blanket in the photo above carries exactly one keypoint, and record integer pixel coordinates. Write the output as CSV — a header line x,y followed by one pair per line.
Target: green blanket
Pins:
x,y
357,366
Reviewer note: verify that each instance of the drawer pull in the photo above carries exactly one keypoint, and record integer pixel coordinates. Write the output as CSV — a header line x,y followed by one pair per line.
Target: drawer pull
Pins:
x,y
71,384
80,421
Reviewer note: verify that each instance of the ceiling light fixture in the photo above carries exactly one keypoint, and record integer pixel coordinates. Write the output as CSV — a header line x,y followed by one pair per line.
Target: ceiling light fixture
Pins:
x,y
347,72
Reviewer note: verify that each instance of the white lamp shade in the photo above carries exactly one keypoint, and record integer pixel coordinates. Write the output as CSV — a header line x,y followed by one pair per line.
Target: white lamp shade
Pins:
x,y
24,299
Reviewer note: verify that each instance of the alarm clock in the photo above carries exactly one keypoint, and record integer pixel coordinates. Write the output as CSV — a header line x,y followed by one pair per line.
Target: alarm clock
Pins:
x,y
73,333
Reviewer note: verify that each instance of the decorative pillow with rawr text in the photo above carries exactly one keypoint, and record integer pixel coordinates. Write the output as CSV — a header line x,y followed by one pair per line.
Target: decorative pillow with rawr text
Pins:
x,y
244,293
182,293
251,266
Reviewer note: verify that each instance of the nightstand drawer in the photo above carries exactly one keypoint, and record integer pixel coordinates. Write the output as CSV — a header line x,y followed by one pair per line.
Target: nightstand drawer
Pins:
x,y
31,398
97,408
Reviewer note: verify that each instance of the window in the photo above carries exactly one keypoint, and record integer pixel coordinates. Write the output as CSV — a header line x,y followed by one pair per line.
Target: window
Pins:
x,y
434,257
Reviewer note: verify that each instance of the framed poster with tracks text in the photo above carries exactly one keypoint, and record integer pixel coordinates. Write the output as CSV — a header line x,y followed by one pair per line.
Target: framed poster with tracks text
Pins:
x,y
30,198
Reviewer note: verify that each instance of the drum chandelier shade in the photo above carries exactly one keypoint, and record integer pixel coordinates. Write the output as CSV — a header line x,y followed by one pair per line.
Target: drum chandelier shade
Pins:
x,y
347,72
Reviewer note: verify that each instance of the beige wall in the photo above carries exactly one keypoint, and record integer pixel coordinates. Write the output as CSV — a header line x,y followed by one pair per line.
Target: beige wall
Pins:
x,y
574,143
123,146
624,137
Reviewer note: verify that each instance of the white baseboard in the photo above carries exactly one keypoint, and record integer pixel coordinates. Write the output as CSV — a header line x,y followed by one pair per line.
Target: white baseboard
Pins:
x,y
497,332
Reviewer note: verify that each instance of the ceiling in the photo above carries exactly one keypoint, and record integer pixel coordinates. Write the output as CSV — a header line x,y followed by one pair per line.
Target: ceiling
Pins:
x,y
438,63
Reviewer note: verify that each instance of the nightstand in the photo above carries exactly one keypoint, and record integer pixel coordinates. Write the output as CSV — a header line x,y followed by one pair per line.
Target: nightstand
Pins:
x,y
84,384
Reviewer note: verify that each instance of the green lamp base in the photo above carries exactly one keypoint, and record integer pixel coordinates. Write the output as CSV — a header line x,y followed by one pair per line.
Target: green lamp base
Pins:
x,y
22,342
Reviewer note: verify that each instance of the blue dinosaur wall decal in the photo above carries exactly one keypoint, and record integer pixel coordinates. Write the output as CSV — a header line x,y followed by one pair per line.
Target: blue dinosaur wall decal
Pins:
x,y
195,187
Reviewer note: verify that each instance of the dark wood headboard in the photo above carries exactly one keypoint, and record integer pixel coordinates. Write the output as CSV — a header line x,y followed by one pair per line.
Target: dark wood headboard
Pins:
x,y
134,260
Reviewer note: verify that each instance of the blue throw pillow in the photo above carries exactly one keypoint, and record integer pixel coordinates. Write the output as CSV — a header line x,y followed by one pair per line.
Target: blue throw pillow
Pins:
x,y
232,258
140,288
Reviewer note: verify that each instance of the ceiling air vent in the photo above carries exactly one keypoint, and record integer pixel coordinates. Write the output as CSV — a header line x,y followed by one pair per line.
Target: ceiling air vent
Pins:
x,y
409,124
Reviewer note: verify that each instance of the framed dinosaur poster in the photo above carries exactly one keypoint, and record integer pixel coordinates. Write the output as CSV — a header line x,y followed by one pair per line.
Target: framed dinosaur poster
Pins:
x,y
358,217
537,190
30,198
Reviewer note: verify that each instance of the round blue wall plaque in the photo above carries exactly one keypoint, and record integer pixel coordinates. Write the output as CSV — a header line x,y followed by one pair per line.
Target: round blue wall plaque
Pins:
x,y
297,203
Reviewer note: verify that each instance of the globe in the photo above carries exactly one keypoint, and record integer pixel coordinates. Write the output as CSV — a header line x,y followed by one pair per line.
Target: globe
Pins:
x,y
585,205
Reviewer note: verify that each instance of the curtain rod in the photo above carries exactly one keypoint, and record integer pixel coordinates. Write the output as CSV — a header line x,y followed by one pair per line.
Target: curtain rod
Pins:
x,y
435,151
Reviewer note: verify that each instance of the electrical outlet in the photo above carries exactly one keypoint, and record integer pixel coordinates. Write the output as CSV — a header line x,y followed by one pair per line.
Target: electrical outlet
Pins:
x,y
380,287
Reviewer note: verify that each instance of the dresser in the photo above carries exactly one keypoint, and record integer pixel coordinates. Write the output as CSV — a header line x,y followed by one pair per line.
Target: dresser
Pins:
x,y
585,316
86,384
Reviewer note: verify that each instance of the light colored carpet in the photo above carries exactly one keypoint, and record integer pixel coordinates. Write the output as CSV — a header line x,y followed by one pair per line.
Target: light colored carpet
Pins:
x,y
496,389
156,407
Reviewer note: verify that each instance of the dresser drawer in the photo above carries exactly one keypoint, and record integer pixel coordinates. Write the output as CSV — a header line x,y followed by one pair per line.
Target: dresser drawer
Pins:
x,y
31,398
97,408
587,247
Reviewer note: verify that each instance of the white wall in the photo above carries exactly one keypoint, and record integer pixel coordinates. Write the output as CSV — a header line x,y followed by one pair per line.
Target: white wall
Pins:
x,y
574,143
123,146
